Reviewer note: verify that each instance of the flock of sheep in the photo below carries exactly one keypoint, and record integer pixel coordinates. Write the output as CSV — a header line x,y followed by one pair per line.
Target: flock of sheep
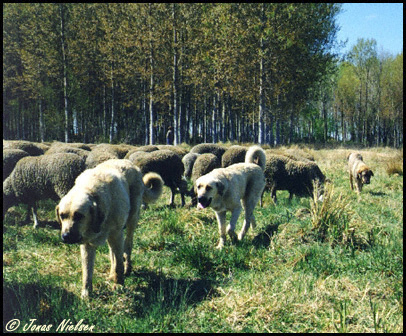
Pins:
x,y
37,171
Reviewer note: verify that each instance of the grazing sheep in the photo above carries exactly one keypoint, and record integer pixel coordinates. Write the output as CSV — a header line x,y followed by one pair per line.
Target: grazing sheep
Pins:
x,y
209,148
177,149
168,165
283,173
32,148
234,154
10,159
188,161
203,165
67,148
42,177
99,154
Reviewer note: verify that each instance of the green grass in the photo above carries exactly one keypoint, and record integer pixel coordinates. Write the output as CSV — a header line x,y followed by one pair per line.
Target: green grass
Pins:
x,y
335,266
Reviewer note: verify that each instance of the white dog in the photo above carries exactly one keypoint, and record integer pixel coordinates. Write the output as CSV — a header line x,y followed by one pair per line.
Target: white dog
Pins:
x,y
103,201
223,189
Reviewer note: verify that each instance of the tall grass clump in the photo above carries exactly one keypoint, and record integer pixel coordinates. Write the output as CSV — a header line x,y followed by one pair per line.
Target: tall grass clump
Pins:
x,y
330,216
394,166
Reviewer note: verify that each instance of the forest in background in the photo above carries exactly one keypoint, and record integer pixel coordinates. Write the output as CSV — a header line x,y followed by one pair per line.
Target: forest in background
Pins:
x,y
265,72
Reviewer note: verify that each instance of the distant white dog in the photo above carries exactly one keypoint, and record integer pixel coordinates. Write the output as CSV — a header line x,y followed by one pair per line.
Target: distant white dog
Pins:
x,y
103,201
223,189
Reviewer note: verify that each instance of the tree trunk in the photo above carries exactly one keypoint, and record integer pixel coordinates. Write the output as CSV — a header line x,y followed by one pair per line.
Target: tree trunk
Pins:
x,y
175,79
151,84
65,79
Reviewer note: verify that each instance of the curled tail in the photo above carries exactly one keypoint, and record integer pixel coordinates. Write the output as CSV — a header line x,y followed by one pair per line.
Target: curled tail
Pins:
x,y
256,154
153,187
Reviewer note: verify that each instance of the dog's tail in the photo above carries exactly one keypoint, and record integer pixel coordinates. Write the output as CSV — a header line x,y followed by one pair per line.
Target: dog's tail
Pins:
x,y
153,187
256,154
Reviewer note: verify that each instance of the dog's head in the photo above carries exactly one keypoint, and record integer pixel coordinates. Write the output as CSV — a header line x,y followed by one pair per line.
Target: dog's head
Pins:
x,y
80,217
365,175
207,190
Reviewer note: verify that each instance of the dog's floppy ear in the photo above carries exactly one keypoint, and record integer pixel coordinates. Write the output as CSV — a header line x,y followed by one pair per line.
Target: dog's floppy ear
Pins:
x,y
220,188
372,173
57,215
359,175
97,215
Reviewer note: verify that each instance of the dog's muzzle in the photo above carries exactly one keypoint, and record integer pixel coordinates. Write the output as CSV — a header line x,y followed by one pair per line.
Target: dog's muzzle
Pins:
x,y
71,237
204,201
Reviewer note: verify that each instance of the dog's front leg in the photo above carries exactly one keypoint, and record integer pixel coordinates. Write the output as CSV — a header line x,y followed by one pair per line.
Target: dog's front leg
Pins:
x,y
88,253
115,242
233,221
221,219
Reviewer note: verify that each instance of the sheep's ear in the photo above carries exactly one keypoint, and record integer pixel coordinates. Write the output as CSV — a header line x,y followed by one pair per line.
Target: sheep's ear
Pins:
x,y
220,188
57,215
97,215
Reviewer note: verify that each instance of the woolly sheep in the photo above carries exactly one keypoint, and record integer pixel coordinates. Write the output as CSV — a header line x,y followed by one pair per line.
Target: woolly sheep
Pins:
x,y
10,159
167,164
32,148
233,154
209,148
177,149
283,173
42,177
101,153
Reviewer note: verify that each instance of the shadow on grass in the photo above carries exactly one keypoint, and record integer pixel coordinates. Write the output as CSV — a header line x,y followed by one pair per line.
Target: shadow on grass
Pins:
x,y
263,239
164,294
35,301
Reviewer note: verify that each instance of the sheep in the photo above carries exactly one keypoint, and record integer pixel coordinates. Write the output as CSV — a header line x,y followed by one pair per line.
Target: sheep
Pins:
x,y
188,161
209,148
233,154
167,164
10,159
99,154
177,149
203,165
33,149
68,148
283,173
41,177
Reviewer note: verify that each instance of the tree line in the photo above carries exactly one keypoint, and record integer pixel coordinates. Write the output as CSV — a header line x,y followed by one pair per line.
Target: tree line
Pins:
x,y
246,72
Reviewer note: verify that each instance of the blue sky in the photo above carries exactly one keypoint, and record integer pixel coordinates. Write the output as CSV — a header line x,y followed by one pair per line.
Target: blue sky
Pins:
x,y
380,21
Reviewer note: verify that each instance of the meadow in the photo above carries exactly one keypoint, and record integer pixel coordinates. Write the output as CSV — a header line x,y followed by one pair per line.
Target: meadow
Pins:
x,y
335,266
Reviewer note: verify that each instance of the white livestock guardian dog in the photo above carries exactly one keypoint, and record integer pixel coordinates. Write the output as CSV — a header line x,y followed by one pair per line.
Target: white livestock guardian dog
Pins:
x,y
104,201
224,189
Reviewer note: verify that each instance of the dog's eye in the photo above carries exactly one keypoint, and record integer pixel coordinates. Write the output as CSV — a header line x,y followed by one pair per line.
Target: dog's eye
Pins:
x,y
63,216
208,188
77,216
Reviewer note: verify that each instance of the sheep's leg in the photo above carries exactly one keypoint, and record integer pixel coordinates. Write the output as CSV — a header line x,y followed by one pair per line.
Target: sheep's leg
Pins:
x,y
233,221
88,253
172,200
34,216
221,219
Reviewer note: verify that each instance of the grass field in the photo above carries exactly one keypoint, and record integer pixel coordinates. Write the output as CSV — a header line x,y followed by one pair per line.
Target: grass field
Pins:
x,y
305,268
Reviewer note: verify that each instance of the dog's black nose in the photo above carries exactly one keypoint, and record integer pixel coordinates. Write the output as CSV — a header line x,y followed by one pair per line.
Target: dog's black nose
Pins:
x,y
71,238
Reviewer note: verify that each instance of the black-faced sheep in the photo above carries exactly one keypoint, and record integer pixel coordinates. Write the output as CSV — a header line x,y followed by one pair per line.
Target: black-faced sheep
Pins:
x,y
234,154
209,148
188,162
283,173
168,165
42,177
10,159
203,165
